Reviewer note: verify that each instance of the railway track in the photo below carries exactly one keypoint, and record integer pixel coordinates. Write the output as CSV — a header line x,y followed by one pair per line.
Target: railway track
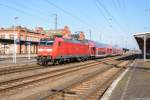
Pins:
x,y
85,88
12,84
21,68
90,88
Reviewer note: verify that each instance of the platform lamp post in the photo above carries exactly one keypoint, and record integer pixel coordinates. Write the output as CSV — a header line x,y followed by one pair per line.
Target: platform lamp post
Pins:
x,y
15,36
29,48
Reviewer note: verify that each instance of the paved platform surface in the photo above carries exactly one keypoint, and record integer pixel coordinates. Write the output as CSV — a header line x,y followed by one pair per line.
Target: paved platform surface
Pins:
x,y
135,85
18,56
19,61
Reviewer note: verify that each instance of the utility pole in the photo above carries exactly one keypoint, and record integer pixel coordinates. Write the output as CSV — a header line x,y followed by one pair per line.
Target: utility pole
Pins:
x,y
55,21
15,37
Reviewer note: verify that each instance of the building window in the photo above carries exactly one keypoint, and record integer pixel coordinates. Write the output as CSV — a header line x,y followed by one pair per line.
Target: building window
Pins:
x,y
11,36
21,37
3,36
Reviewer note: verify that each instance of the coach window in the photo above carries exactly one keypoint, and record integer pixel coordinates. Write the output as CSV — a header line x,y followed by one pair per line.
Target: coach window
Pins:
x,y
94,48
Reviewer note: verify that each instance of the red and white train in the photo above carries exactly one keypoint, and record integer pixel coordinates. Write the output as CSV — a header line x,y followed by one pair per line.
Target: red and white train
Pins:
x,y
59,50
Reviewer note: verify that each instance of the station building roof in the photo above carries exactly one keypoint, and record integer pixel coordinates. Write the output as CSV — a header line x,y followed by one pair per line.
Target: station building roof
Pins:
x,y
140,40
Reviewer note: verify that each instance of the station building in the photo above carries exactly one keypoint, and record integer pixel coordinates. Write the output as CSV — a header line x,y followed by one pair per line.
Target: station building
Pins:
x,y
143,40
24,37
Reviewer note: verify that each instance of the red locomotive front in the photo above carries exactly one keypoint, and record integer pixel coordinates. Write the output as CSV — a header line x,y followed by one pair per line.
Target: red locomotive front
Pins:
x,y
45,51
45,47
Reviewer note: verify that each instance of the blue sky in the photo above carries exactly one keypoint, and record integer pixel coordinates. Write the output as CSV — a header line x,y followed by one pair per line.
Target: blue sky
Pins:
x,y
111,21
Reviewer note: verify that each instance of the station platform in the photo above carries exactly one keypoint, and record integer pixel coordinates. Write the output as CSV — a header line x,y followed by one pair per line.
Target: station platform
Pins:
x,y
19,62
18,56
7,60
134,85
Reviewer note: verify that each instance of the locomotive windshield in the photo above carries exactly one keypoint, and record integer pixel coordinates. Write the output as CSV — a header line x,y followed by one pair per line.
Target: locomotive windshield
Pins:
x,y
49,42
46,43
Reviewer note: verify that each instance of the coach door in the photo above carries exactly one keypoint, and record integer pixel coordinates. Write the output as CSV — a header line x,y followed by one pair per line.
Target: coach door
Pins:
x,y
93,51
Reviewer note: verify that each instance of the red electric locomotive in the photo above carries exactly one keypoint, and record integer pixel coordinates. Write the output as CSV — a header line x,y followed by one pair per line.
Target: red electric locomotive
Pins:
x,y
59,50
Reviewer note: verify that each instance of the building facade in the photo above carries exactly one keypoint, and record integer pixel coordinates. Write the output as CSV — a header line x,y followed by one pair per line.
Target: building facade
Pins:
x,y
23,36
59,32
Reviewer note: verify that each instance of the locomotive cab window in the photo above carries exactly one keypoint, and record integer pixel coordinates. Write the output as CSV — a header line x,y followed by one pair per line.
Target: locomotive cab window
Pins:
x,y
49,43
46,43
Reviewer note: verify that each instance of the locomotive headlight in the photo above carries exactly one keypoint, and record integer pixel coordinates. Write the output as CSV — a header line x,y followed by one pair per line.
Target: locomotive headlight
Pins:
x,y
40,49
49,50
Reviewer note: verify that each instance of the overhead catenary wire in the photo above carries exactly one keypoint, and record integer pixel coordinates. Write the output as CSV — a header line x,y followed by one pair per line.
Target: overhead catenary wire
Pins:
x,y
121,8
123,13
115,4
107,11
48,13
146,12
35,9
18,9
21,11
101,13
68,13
113,18
13,8
107,18
119,3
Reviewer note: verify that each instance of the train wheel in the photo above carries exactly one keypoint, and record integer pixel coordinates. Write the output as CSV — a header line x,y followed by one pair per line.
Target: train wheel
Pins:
x,y
39,62
54,62
44,63
82,59
61,61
